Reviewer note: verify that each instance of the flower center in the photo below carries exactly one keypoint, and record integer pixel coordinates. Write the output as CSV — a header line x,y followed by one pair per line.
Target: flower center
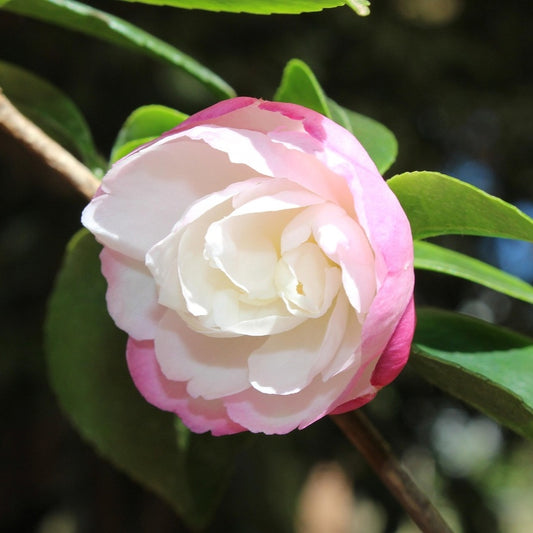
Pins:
x,y
306,280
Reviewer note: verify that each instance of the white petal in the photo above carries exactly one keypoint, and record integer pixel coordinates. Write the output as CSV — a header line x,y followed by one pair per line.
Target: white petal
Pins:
x,y
270,157
307,281
271,414
245,253
145,194
287,363
131,295
212,367
348,353
343,240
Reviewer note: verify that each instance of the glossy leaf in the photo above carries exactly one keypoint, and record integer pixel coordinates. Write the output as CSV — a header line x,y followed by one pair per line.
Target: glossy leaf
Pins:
x,y
437,204
300,86
85,19
378,140
87,366
52,110
438,259
488,367
260,7
143,125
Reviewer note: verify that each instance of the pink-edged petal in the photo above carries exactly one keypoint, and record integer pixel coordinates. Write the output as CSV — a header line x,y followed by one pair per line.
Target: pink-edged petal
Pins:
x,y
397,351
131,294
271,158
378,210
199,415
212,367
383,317
274,414
287,362
215,113
354,404
380,371
146,193
359,390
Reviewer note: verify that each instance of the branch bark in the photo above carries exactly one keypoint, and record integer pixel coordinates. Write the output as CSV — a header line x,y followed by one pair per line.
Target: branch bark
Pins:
x,y
49,151
371,444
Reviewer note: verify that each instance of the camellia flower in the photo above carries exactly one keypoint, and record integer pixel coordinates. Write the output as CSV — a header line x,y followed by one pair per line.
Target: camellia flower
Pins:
x,y
260,265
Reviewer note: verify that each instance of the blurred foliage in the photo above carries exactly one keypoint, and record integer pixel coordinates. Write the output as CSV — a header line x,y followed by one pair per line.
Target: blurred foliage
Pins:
x,y
452,79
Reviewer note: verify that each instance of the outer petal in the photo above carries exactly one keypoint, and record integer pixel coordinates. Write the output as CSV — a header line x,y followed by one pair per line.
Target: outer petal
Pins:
x,y
145,193
213,367
198,414
131,294
275,414
269,157
397,351
386,368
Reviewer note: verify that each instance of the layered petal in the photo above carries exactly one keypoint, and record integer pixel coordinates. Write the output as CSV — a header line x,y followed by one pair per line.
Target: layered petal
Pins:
x,y
131,294
212,367
261,266
287,363
160,181
198,414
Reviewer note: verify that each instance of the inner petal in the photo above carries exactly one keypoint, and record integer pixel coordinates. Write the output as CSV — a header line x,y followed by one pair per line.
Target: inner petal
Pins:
x,y
307,280
344,242
286,363
246,249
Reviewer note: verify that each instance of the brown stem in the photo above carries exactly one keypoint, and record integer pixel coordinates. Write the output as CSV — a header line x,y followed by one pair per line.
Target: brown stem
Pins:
x,y
50,152
366,438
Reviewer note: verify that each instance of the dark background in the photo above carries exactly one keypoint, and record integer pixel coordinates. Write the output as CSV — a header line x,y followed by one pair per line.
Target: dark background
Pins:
x,y
453,79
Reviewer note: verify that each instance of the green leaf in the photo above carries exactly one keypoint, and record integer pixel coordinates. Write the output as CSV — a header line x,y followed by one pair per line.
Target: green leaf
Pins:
x,y
378,140
260,7
51,110
486,366
207,464
437,204
88,372
300,86
432,257
143,125
85,19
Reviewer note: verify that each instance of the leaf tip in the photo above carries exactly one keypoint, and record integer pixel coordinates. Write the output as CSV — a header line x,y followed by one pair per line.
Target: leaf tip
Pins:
x,y
361,7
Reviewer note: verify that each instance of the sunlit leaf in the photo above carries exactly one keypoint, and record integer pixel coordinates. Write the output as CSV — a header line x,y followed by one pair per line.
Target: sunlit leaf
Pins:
x,y
300,86
88,372
438,259
85,19
488,367
52,110
143,125
378,140
437,204
260,7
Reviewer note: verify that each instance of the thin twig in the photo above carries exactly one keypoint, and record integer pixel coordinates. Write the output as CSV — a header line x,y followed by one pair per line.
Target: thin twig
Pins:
x,y
52,153
366,438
